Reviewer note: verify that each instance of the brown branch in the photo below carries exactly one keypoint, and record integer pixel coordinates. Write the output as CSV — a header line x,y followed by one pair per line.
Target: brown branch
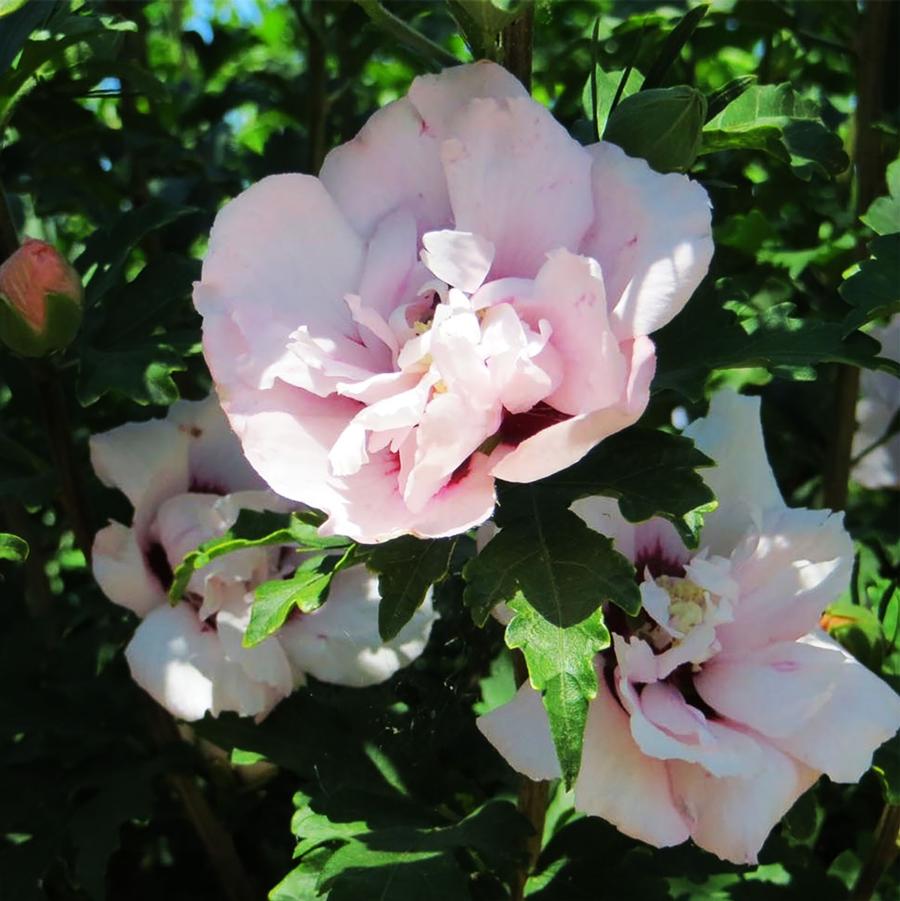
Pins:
x,y
881,856
516,46
870,163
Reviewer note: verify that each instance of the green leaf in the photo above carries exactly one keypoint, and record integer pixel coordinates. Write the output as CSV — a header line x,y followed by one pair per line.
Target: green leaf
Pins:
x,y
773,119
252,529
13,548
874,289
886,764
883,214
407,567
142,373
673,45
561,666
274,601
607,87
707,337
728,93
409,863
555,573
650,473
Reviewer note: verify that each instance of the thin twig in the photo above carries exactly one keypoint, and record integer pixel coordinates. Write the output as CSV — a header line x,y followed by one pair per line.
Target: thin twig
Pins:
x,y
407,35
517,44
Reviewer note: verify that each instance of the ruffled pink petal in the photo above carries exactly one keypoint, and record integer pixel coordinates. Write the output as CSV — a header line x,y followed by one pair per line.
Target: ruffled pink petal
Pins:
x,y
440,98
786,577
733,817
120,570
147,461
340,642
215,461
393,163
176,661
622,785
460,259
651,235
516,178
281,254
520,732
666,727
565,443
569,294
832,713
287,435
731,434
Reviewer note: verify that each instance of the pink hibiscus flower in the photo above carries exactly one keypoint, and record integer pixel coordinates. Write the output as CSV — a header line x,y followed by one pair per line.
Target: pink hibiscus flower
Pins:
x,y
723,702
464,294
187,481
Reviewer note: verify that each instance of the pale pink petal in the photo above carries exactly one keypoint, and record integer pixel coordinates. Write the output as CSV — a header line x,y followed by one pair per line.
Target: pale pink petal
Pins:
x,y
622,785
565,443
458,258
280,255
637,662
287,435
832,713
393,163
450,431
391,273
266,662
519,730
215,461
658,545
666,727
175,660
147,461
516,178
440,98
786,576
340,642
652,237
733,817
524,366
186,521
731,434
121,572
569,294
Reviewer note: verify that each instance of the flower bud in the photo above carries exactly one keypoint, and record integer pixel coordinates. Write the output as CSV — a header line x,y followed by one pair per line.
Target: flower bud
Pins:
x,y
664,126
40,300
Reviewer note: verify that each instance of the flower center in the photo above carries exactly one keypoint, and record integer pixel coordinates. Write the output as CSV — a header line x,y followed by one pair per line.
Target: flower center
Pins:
x,y
688,602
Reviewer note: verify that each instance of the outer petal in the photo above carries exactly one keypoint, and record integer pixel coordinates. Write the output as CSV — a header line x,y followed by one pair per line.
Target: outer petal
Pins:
x,y
733,817
516,178
121,573
832,713
519,730
393,163
786,576
622,785
281,255
147,461
440,98
652,237
731,433
340,643
565,443
215,460
175,661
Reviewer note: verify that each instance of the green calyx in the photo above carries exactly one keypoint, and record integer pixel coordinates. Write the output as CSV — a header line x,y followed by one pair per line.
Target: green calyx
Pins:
x,y
61,323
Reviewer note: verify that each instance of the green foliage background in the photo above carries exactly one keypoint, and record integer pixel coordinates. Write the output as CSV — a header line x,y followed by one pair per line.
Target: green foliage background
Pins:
x,y
126,125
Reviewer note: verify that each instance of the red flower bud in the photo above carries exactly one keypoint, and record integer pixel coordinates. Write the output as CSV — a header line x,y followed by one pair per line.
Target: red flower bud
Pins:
x,y
40,300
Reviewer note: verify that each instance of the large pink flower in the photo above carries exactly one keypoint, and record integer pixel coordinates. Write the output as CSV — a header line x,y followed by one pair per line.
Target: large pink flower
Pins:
x,y
724,703
465,293
187,480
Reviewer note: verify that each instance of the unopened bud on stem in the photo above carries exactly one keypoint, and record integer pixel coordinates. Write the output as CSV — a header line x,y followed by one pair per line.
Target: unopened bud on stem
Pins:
x,y
40,300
